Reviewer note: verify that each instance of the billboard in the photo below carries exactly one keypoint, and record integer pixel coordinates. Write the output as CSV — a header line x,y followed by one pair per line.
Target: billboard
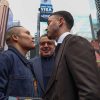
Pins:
x,y
45,11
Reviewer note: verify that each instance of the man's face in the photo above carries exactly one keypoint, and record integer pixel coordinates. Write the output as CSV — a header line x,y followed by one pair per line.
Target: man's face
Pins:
x,y
53,27
25,40
47,46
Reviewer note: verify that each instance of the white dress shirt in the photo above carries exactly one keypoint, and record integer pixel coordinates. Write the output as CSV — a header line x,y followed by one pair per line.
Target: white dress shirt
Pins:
x,y
61,38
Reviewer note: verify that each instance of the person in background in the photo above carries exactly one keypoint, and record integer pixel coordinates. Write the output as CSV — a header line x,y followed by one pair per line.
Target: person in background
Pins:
x,y
76,75
98,50
43,64
16,77
95,44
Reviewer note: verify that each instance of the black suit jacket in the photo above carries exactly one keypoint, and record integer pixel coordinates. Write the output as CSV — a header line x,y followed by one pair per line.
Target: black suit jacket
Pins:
x,y
37,68
76,75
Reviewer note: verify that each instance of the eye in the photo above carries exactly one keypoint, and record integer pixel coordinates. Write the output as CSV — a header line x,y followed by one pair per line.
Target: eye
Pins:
x,y
27,32
48,43
48,22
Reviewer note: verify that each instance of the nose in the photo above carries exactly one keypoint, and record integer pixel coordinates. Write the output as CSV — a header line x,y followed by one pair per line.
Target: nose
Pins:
x,y
46,45
46,30
33,38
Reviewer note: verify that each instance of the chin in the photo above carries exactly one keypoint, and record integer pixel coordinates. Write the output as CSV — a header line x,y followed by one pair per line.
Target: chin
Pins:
x,y
46,55
33,47
51,37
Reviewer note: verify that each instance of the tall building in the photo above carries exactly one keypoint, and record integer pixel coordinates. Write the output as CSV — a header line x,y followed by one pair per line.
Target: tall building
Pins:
x,y
4,9
94,16
97,2
9,19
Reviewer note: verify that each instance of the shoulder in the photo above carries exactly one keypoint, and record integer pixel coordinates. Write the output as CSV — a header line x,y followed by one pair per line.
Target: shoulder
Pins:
x,y
78,40
9,56
6,54
6,58
37,58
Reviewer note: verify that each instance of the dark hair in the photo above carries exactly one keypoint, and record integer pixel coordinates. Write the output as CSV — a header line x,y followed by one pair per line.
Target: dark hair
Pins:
x,y
67,17
44,35
98,33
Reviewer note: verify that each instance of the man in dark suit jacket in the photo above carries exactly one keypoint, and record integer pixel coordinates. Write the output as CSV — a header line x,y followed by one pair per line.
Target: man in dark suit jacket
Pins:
x,y
75,76
43,64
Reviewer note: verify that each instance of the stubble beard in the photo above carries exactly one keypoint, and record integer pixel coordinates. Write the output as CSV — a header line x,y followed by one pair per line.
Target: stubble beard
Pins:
x,y
53,34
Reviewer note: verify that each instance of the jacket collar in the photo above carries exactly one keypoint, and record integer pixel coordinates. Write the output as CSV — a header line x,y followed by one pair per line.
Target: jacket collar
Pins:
x,y
13,49
61,38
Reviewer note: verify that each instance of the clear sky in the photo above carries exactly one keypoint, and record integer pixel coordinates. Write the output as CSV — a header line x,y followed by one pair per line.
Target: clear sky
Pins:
x,y
27,10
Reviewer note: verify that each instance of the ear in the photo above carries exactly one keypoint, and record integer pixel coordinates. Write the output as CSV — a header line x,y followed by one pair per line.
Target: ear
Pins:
x,y
15,37
61,21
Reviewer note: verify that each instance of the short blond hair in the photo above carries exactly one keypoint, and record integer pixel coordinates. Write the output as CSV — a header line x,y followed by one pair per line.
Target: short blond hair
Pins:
x,y
15,30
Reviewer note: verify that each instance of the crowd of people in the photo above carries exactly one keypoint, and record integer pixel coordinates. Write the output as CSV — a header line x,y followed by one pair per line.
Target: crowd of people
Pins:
x,y
66,71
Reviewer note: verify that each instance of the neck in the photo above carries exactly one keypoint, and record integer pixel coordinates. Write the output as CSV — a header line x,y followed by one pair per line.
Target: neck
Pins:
x,y
23,51
61,31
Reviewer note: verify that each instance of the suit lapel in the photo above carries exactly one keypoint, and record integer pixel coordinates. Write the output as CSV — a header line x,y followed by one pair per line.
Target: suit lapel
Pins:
x,y
38,73
58,57
57,60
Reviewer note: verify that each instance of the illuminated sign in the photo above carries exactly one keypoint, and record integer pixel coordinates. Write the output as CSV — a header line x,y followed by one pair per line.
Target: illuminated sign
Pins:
x,y
45,11
44,17
46,8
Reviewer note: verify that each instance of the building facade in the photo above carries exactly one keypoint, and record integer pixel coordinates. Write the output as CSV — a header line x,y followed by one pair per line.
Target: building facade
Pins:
x,y
4,9
97,2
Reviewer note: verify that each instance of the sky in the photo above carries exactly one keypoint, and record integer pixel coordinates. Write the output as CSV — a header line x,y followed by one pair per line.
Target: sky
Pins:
x,y
26,11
